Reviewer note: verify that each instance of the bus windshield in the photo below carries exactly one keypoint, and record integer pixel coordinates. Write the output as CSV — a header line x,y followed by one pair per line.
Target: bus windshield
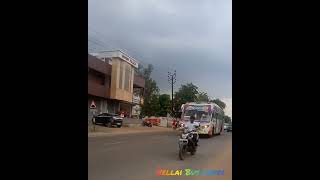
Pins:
x,y
201,113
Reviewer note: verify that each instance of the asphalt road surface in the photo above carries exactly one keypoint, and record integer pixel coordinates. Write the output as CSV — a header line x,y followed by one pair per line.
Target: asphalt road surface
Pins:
x,y
139,156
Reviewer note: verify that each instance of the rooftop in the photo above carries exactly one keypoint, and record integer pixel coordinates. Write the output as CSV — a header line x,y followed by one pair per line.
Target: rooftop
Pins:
x,y
117,53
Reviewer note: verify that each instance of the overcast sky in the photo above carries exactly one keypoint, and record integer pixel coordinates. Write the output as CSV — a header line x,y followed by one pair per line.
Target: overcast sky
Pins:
x,y
193,37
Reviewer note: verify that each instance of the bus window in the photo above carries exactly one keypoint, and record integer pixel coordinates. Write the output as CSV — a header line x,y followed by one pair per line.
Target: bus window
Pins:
x,y
200,112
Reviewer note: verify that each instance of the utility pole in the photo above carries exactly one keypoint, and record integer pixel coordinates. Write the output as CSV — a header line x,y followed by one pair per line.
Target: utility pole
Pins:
x,y
172,80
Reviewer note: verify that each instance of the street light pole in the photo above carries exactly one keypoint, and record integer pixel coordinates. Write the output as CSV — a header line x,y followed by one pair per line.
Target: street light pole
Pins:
x,y
172,81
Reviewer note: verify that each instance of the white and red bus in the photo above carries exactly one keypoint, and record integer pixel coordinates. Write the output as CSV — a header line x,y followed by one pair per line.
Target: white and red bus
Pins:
x,y
208,115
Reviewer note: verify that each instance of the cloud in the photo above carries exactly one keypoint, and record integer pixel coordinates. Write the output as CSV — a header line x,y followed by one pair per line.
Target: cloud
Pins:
x,y
192,37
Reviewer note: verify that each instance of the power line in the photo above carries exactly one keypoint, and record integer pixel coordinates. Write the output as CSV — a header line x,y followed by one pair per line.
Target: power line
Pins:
x,y
97,43
92,38
101,35
100,41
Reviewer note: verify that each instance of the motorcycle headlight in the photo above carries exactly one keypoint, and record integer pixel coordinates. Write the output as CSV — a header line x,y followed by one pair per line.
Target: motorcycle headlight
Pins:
x,y
184,136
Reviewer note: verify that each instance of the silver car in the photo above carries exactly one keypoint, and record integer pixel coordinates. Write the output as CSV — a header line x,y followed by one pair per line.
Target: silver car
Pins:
x,y
227,127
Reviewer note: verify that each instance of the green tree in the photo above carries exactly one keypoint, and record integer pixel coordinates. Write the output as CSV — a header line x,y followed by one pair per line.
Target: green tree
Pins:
x,y
220,103
227,119
140,70
186,93
202,97
151,105
165,104
154,106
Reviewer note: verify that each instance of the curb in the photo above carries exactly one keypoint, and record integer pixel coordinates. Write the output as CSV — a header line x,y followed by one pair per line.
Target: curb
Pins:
x,y
132,125
99,134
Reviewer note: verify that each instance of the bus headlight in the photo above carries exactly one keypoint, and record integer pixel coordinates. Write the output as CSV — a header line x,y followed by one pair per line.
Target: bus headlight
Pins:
x,y
205,126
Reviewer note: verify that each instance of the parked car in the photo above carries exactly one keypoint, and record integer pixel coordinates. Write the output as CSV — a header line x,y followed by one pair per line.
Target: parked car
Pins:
x,y
108,119
227,127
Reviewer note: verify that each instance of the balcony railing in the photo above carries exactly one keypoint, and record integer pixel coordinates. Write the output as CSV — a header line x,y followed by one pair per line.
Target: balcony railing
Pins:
x,y
98,90
99,65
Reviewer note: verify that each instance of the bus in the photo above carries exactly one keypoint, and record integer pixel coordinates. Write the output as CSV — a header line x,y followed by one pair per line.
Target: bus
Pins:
x,y
208,115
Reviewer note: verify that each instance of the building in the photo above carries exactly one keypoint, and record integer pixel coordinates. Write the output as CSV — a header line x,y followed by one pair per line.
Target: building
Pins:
x,y
113,84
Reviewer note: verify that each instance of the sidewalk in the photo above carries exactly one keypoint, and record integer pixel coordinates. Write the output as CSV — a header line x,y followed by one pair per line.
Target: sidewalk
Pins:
x,y
105,131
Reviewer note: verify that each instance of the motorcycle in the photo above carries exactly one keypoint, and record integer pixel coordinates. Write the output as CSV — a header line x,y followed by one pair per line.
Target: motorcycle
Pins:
x,y
186,143
175,124
146,123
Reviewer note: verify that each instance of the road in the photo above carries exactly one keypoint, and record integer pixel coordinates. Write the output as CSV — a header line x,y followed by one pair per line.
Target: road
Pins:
x,y
138,156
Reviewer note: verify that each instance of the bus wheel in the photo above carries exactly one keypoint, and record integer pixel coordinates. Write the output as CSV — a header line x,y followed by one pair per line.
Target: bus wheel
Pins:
x,y
211,133
220,131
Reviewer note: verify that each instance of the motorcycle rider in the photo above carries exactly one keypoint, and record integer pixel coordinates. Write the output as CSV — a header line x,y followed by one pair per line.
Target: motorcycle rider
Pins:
x,y
192,126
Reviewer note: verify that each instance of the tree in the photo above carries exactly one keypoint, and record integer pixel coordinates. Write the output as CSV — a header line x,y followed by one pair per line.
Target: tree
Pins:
x,y
154,106
140,70
220,103
227,119
151,105
202,97
165,104
186,93
146,72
